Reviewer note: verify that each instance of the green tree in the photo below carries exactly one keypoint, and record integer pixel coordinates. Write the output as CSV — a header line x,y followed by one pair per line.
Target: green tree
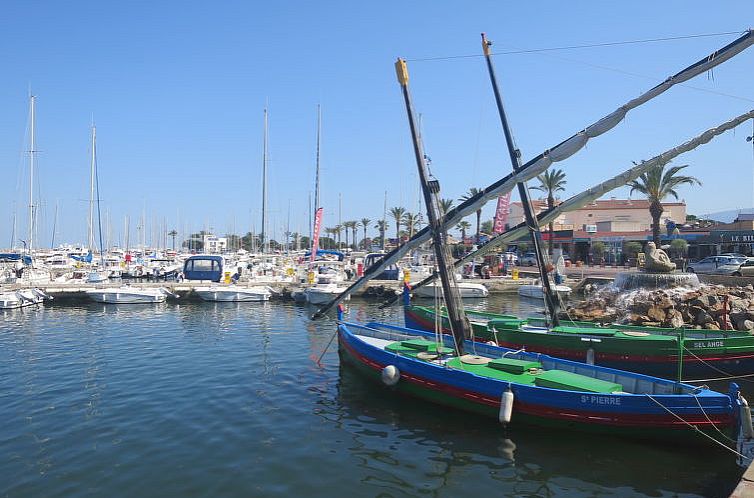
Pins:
x,y
173,233
487,226
598,250
338,230
397,214
365,224
468,195
445,206
352,226
679,248
656,184
551,182
631,249
463,226
412,221
381,226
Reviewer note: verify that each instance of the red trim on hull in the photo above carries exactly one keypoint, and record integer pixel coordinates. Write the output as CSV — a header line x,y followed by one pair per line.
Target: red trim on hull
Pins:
x,y
625,420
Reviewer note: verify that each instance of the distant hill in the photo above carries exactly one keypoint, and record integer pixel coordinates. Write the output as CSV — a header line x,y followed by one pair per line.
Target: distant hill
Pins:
x,y
725,216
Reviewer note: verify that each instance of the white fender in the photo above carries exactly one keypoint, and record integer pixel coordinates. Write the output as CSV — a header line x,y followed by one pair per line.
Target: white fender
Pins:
x,y
391,375
746,426
590,356
506,406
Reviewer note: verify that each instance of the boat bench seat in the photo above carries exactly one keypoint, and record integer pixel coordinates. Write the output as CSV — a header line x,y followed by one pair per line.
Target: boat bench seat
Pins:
x,y
488,371
507,323
560,379
412,347
513,365
585,330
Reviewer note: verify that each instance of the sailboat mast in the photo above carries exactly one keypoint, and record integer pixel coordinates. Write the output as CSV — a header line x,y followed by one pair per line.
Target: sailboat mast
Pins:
x,y
523,191
459,323
264,186
96,182
316,173
32,152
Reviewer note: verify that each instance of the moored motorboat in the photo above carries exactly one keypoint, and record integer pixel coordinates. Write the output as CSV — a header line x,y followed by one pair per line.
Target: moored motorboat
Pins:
x,y
536,290
234,293
127,295
322,293
21,298
468,290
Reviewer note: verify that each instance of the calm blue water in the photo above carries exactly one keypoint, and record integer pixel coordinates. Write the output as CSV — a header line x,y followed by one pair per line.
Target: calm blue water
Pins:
x,y
203,399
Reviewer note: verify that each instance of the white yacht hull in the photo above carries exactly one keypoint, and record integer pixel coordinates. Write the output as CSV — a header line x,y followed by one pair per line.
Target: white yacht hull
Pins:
x,y
127,296
535,290
468,290
321,294
234,294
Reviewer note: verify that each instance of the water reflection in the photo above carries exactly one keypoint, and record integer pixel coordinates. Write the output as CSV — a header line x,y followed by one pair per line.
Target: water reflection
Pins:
x,y
520,461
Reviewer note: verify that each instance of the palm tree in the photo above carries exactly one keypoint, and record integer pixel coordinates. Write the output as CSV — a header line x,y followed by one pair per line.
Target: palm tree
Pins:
x,y
551,182
350,225
463,226
445,206
338,229
173,233
397,214
657,184
381,226
331,232
365,224
412,221
468,195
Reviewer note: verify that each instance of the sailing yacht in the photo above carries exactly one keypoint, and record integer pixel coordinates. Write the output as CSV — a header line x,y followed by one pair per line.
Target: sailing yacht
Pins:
x,y
519,387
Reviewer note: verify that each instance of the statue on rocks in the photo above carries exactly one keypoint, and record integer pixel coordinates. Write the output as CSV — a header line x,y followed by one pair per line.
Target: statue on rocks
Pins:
x,y
656,260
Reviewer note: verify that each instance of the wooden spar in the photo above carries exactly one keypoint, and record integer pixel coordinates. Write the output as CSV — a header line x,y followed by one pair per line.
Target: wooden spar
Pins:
x,y
459,324
523,191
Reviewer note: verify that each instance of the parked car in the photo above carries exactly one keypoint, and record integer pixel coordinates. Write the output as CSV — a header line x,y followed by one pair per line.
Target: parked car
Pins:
x,y
746,269
528,259
718,265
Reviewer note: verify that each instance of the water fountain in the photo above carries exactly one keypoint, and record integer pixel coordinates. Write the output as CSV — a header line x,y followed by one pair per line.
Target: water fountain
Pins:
x,y
659,273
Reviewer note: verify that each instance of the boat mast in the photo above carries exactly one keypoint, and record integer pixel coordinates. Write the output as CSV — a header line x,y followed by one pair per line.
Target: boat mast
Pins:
x,y
459,324
523,191
264,186
96,182
316,173
32,152
90,237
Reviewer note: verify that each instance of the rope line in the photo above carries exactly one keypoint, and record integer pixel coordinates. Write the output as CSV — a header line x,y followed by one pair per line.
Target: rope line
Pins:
x,y
728,375
696,428
574,47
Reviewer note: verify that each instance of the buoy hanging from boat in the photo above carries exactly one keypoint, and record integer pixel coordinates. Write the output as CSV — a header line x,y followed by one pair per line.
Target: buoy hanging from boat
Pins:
x,y
746,426
391,375
506,406
590,356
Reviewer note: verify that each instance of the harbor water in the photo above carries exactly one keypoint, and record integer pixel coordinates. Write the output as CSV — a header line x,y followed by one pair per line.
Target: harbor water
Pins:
x,y
227,399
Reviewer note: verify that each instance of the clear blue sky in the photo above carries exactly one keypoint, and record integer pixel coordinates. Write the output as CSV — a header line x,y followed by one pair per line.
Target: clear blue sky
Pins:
x,y
177,91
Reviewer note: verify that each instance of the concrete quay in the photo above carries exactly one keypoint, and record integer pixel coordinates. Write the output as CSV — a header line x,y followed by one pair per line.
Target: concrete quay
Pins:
x,y
282,290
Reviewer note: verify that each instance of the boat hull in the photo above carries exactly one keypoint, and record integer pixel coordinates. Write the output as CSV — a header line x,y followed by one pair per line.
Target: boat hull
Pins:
x,y
467,290
233,295
712,356
117,296
611,413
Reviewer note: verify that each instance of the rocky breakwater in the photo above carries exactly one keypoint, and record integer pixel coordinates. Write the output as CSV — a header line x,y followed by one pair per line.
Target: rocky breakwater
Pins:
x,y
710,307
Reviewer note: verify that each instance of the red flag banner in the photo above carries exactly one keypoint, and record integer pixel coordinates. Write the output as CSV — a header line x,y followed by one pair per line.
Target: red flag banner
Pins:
x,y
501,213
315,234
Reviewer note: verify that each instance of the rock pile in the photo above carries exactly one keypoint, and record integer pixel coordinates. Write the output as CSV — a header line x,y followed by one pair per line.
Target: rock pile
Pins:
x,y
711,307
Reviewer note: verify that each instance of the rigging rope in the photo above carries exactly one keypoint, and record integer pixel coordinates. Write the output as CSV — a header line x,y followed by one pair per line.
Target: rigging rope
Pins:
x,y
573,47
696,428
